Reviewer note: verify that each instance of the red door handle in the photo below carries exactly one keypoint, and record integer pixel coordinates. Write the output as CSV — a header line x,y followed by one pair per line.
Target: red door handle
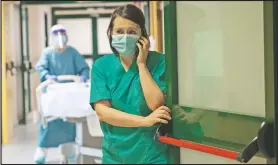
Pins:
x,y
200,147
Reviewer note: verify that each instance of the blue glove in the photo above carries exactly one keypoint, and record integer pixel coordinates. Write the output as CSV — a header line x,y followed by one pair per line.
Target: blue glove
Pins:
x,y
83,79
51,77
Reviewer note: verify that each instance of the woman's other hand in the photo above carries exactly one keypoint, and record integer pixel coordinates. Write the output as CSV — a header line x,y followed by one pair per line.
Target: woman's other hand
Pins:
x,y
160,115
143,50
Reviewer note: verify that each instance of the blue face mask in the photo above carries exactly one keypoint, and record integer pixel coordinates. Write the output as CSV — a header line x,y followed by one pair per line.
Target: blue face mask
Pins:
x,y
125,44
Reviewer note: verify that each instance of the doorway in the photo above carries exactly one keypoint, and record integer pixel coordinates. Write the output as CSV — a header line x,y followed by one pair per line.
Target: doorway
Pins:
x,y
220,74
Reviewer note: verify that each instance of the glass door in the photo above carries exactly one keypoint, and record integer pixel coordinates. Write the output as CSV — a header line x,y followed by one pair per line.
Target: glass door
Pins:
x,y
220,74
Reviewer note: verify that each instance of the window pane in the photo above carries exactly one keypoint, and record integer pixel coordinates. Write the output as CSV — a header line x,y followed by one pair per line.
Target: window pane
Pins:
x,y
103,42
80,34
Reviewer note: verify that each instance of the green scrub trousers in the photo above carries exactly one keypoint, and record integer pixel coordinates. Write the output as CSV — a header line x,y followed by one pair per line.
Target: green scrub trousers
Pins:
x,y
110,81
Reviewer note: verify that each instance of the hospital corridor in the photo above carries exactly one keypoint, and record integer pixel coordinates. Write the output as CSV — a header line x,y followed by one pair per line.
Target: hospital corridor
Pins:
x,y
139,82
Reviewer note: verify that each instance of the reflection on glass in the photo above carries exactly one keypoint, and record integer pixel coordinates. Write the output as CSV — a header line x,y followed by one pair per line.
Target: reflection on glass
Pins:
x,y
219,129
187,123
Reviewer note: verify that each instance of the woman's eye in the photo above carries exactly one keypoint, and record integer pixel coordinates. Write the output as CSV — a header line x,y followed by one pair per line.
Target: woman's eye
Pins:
x,y
132,32
119,31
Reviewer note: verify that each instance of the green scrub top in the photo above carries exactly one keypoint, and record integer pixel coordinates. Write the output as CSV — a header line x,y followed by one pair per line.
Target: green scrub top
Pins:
x,y
110,81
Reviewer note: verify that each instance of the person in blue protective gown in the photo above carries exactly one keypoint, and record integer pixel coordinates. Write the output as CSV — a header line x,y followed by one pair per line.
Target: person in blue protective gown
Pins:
x,y
128,93
58,59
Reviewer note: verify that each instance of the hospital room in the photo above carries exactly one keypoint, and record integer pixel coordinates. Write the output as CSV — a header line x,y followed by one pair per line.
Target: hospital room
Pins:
x,y
139,82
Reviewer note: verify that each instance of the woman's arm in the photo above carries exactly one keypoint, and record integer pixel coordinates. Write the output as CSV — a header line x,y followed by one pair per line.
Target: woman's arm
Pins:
x,y
153,94
116,117
122,119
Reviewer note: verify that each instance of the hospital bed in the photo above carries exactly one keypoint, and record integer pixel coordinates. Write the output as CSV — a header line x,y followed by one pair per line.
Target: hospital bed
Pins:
x,y
75,108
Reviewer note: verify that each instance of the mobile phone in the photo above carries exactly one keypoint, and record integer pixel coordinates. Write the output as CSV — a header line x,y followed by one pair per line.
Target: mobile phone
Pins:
x,y
144,33
137,49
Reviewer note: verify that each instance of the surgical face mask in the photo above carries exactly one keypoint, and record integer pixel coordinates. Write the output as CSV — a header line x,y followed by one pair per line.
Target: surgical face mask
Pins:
x,y
125,44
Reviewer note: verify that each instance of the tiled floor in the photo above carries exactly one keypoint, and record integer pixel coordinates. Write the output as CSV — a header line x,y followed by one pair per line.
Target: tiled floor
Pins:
x,y
23,145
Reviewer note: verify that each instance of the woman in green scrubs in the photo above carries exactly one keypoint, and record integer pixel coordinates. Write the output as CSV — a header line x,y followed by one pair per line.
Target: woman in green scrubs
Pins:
x,y
127,92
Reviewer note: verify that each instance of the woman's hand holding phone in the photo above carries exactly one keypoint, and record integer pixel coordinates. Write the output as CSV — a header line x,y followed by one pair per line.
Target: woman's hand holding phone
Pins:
x,y
143,50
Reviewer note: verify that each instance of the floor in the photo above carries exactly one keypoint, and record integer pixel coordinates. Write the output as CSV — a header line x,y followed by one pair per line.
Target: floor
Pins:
x,y
23,145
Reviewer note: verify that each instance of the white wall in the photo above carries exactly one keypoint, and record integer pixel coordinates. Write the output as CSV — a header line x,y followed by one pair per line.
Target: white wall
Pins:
x,y
37,41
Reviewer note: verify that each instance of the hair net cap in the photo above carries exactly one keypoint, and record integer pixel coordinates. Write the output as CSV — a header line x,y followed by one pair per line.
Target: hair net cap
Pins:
x,y
57,27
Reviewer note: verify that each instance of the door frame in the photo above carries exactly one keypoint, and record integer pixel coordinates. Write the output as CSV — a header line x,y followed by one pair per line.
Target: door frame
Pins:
x,y
46,28
26,93
271,71
27,59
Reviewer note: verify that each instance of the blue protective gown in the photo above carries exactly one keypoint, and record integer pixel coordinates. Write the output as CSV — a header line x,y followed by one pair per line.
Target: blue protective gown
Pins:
x,y
51,62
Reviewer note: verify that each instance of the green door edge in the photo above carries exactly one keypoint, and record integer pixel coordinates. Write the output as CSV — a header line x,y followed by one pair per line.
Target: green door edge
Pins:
x,y
170,38
271,9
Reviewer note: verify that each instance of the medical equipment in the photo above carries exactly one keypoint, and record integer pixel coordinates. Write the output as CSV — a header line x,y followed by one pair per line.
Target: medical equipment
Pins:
x,y
70,102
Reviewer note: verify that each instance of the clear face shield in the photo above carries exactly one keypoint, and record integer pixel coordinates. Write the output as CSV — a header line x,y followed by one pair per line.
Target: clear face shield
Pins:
x,y
59,38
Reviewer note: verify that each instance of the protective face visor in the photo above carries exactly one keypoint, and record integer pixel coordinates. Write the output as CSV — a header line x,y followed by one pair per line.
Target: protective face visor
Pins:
x,y
60,37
